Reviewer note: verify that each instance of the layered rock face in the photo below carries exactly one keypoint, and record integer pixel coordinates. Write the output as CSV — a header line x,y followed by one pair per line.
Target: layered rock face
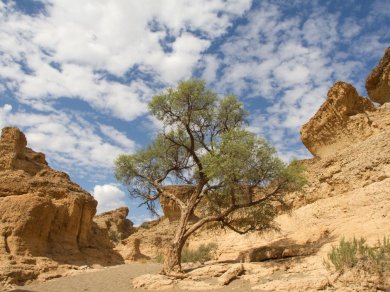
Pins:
x,y
378,82
43,213
342,120
170,209
116,223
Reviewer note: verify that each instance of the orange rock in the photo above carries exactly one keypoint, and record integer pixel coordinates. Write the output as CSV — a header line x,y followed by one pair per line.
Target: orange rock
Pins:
x,y
378,82
170,209
341,120
115,222
43,213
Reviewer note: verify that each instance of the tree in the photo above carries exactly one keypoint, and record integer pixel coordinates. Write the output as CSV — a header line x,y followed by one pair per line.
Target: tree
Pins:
x,y
236,178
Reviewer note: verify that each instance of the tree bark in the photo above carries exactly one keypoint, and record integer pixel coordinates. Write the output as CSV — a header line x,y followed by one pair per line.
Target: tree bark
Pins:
x,y
172,259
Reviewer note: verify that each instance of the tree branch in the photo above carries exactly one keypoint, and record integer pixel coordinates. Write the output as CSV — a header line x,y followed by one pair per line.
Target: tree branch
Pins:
x,y
228,225
228,211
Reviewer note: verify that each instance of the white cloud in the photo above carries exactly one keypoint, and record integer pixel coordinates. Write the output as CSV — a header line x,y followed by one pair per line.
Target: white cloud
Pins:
x,y
111,55
84,40
288,62
109,197
4,112
71,142
210,64
118,137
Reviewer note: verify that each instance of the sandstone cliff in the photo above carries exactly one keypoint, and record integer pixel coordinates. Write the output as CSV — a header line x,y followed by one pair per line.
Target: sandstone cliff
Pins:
x,y
342,120
170,209
43,214
378,82
115,223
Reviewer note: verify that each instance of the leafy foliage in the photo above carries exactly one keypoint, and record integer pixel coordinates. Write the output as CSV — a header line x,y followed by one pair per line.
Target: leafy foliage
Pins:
x,y
237,178
202,254
114,236
349,254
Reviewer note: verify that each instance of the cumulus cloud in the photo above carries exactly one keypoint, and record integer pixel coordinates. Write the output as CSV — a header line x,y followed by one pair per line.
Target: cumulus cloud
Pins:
x,y
71,142
109,197
112,55
74,47
287,62
4,112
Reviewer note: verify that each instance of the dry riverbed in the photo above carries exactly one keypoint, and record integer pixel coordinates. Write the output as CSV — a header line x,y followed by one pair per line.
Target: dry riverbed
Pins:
x,y
110,279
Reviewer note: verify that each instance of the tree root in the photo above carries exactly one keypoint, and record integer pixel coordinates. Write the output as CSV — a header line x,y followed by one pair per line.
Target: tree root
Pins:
x,y
173,274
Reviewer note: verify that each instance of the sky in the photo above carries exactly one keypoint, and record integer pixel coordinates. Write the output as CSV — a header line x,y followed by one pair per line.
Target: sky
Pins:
x,y
76,76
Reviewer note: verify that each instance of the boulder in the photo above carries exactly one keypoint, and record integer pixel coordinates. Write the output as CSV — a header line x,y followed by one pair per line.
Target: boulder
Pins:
x,y
276,251
378,82
43,213
232,273
341,121
116,223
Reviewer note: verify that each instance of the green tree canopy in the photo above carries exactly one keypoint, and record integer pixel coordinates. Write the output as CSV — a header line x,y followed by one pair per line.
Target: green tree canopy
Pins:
x,y
236,176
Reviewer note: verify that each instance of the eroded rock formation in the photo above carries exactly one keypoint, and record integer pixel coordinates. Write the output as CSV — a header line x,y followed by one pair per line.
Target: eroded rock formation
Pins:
x,y
42,212
342,120
378,82
170,209
116,223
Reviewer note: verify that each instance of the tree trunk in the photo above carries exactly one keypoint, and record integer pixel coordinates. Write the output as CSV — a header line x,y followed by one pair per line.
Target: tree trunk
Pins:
x,y
172,258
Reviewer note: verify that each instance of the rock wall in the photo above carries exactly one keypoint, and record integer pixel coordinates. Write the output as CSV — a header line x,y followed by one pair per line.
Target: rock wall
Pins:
x,y
43,213
116,223
170,209
378,82
342,120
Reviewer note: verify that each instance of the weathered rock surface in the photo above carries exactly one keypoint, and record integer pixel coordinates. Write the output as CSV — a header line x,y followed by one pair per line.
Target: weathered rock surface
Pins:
x,y
133,252
232,273
354,167
170,209
378,82
116,223
153,237
342,120
153,282
281,249
43,213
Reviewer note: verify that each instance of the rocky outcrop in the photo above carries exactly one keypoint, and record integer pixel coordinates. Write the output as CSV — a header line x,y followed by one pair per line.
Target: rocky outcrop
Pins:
x,y
378,82
341,121
42,212
149,240
116,223
356,166
282,249
134,252
170,209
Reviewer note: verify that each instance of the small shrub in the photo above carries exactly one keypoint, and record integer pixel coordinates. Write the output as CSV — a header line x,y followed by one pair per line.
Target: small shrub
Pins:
x,y
349,254
202,254
159,259
114,236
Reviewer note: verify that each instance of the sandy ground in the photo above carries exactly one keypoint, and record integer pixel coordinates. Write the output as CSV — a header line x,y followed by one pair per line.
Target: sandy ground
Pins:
x,y
111,279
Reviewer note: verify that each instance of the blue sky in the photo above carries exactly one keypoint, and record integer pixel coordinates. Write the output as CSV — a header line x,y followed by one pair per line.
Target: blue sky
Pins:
x,y
76,76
